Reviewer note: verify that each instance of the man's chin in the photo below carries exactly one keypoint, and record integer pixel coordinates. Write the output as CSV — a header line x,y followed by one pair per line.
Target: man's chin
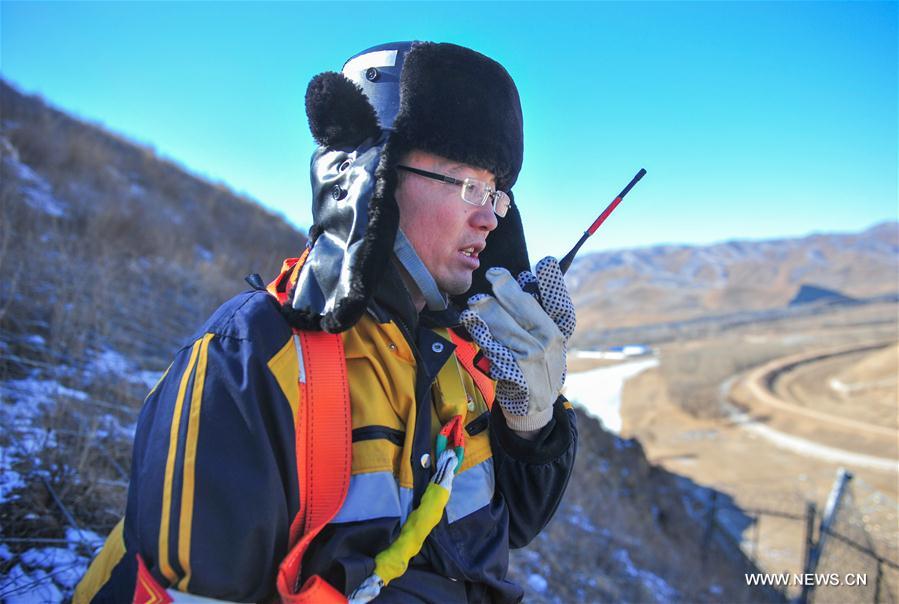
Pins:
x,y
455,284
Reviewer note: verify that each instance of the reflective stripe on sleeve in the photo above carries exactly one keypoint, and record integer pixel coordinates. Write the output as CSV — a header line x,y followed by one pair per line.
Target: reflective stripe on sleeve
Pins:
x,y
372,495
406,497
180,597
472,490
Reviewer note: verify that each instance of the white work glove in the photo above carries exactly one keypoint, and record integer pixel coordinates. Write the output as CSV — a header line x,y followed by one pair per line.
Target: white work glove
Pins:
x,y
525,340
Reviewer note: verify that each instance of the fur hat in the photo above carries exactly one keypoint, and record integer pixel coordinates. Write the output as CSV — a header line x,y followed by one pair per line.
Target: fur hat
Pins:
x,y
440,98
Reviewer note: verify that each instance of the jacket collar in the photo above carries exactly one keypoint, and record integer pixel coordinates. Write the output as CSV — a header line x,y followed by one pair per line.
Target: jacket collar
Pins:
x,y
392,301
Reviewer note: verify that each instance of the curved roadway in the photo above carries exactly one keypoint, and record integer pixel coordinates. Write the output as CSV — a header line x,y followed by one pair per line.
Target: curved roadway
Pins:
x,y
758,383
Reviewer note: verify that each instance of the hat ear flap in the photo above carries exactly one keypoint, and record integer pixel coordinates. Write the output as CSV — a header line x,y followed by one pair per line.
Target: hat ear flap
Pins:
x,y
339,112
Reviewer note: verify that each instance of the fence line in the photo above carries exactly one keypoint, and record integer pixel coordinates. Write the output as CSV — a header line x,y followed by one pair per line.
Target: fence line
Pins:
x,y
833,541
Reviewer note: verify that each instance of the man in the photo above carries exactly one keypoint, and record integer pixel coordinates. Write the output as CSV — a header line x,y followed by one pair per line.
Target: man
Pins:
x,y
420,144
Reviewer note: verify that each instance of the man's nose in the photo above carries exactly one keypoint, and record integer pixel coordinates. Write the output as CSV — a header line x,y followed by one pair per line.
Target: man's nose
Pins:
x,y
484,218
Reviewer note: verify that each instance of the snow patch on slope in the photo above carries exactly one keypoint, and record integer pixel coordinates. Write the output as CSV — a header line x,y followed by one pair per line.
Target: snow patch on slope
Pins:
x,y
598,391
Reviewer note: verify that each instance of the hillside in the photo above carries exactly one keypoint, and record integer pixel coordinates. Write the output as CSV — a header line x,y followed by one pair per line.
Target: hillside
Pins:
x,y
109,257
675,283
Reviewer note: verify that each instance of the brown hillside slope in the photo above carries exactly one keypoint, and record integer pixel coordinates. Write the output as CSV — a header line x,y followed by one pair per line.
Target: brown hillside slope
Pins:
x,y
125,240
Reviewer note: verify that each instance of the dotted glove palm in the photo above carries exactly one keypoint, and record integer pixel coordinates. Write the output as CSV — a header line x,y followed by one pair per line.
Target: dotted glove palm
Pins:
x,y
525,338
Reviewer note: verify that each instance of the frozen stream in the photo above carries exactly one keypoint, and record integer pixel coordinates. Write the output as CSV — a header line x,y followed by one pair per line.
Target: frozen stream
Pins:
x,y
598,391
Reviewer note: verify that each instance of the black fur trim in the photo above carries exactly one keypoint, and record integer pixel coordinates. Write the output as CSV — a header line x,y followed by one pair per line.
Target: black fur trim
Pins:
x,y
298,317
314,231
459,104
339,112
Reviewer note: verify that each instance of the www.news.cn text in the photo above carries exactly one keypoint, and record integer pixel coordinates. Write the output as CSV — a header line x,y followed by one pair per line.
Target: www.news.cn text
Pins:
x,y
807,579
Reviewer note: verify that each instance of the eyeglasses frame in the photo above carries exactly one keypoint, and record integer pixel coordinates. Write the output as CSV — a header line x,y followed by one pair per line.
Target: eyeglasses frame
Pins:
x,y
491,191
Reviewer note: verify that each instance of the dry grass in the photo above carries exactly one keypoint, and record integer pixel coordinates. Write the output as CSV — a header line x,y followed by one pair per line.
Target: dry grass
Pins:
x,y
695,371
132,256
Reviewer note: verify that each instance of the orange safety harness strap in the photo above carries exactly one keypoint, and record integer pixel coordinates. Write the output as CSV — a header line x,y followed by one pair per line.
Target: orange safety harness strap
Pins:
x,y
323,446
323,450
466,352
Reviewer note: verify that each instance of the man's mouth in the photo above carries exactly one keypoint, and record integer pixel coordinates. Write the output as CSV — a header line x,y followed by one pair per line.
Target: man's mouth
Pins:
x,y
469,257
473,250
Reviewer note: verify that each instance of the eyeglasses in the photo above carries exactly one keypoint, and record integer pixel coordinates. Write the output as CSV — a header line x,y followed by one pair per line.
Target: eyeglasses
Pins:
x,y
474,191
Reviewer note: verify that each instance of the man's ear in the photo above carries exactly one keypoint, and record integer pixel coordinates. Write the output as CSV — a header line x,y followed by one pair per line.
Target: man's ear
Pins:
x,y
339,112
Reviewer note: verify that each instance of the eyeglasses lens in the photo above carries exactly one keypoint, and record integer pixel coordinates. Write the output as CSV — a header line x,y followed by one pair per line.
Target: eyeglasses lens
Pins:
x,y
478,193
501,203
474,192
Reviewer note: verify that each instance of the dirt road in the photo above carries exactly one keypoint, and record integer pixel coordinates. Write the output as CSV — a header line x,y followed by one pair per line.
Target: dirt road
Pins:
x,y
759,384
803,433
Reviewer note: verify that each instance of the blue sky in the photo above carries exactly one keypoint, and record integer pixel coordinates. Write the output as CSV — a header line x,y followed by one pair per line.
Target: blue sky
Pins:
x,y
753,120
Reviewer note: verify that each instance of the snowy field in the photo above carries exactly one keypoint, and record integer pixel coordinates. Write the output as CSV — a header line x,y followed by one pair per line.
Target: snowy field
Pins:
x,y
598,391
37,459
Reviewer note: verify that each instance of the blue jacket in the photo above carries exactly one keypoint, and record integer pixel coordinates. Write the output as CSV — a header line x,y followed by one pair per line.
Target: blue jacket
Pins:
x,y
214,472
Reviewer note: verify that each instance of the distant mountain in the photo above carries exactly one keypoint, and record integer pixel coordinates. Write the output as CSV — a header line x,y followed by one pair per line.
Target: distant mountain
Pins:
x,y
810,294
679,282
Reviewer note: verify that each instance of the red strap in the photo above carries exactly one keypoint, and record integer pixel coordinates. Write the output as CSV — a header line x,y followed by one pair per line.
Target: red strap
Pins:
x,y
146,589
452,432
323,450
290,271
323,447
465,352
